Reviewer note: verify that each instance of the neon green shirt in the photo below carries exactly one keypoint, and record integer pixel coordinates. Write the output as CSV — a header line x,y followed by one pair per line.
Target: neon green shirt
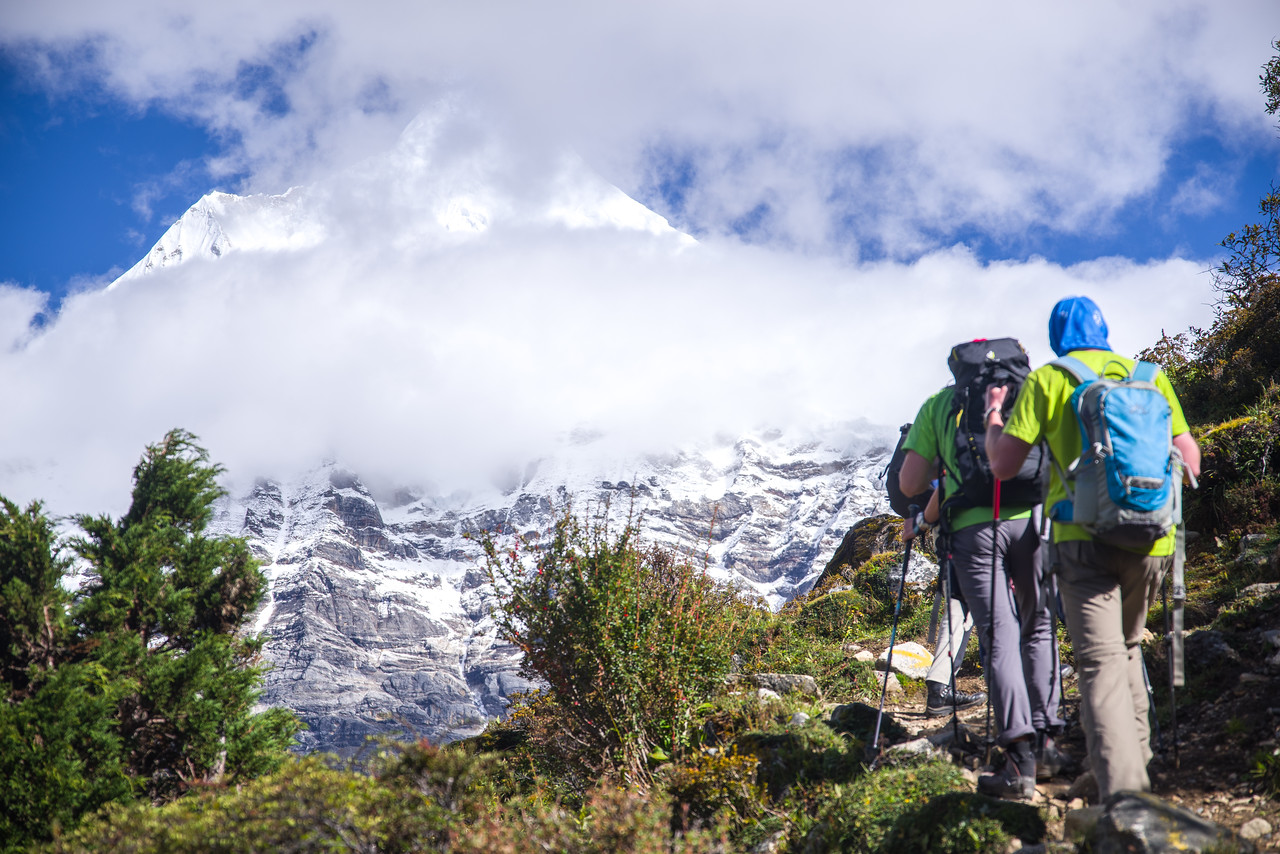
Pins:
x,y
1042,412
932,435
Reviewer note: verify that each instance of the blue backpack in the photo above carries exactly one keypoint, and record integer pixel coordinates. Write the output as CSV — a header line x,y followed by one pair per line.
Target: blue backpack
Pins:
x,y
1126,486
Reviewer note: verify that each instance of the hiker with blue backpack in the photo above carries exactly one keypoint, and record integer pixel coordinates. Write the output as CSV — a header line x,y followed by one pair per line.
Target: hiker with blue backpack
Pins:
x,y
993,550
1120,447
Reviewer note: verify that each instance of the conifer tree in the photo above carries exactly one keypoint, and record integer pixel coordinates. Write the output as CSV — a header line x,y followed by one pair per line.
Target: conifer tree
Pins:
x,y
140,685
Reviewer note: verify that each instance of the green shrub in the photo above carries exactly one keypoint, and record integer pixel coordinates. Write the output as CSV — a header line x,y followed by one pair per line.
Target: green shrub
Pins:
x,y
877,581
1265,772
807,755
832,616
305,806
613,820
861,814
963,823
1219,371
1240,481
628,638
712,780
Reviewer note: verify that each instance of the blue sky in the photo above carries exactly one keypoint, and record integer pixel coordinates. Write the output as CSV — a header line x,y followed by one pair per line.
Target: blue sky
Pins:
x,y
868,183
88,183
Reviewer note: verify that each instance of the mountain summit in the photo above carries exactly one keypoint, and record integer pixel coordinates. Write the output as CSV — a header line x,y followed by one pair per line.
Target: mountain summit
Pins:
x,y
439,183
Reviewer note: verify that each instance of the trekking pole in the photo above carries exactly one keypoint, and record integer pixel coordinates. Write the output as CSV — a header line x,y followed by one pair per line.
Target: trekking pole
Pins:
x,y
991,611
951,649
1173,622
873,751
1048,600
1168,633
1151,707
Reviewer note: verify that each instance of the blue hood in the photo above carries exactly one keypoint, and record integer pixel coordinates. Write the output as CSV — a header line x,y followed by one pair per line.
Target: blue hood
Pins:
x,y
1077,324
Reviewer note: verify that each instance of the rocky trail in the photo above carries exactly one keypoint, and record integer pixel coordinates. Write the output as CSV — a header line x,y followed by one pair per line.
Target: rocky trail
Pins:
x,y
1228,717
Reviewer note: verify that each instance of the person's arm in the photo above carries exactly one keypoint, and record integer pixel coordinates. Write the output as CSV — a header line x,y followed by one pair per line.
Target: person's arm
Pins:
x,y
932,512
1006,454
1190,449
916,473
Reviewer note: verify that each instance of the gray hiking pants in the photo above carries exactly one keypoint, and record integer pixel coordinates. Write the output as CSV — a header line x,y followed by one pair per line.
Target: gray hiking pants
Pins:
x,y
1106,592
953,639
1021,666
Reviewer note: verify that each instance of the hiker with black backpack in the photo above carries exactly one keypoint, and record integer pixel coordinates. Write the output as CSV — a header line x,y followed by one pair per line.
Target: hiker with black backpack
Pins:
x,y
1115,501
995,555
950,635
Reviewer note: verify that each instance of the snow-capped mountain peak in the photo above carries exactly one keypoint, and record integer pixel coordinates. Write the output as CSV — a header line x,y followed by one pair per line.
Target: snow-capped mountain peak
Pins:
x,y
426,190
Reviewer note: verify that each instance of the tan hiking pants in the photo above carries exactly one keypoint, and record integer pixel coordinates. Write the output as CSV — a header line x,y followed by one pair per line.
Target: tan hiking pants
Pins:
x,y
1106,592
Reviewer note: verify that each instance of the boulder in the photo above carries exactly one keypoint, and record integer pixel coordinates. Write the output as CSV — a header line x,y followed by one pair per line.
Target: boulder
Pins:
x,y
910,659
785,683
1252,541
1255,828
859,721
1259,590
1208,651
1141,823
915,747
872,536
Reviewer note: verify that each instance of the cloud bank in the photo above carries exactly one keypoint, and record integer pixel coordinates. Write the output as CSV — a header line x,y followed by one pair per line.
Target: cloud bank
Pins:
x,y
462,304
459,306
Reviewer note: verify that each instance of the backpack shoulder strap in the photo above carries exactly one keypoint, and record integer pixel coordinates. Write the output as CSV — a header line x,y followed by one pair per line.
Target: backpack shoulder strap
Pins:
x,y
1144,372
1078,369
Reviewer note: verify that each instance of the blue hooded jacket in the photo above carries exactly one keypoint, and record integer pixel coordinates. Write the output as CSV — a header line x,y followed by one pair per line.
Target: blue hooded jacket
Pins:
x,y
1076,323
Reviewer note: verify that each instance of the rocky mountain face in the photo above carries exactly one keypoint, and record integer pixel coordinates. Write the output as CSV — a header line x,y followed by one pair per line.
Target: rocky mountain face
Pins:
x,y
378,608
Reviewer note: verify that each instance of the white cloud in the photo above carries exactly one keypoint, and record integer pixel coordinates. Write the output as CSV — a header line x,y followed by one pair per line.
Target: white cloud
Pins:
x,y
900,119
20,309
1202,193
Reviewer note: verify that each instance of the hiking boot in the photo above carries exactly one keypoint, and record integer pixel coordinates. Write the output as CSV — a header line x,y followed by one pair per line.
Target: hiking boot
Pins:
x,y
941,699
1016,779
1050,761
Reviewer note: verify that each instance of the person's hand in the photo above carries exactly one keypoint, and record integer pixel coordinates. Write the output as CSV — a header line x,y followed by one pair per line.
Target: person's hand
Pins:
x,y
996,395
908,529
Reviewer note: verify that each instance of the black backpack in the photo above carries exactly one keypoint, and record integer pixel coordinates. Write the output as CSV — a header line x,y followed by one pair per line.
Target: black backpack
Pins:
x,y
898,500
976,365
